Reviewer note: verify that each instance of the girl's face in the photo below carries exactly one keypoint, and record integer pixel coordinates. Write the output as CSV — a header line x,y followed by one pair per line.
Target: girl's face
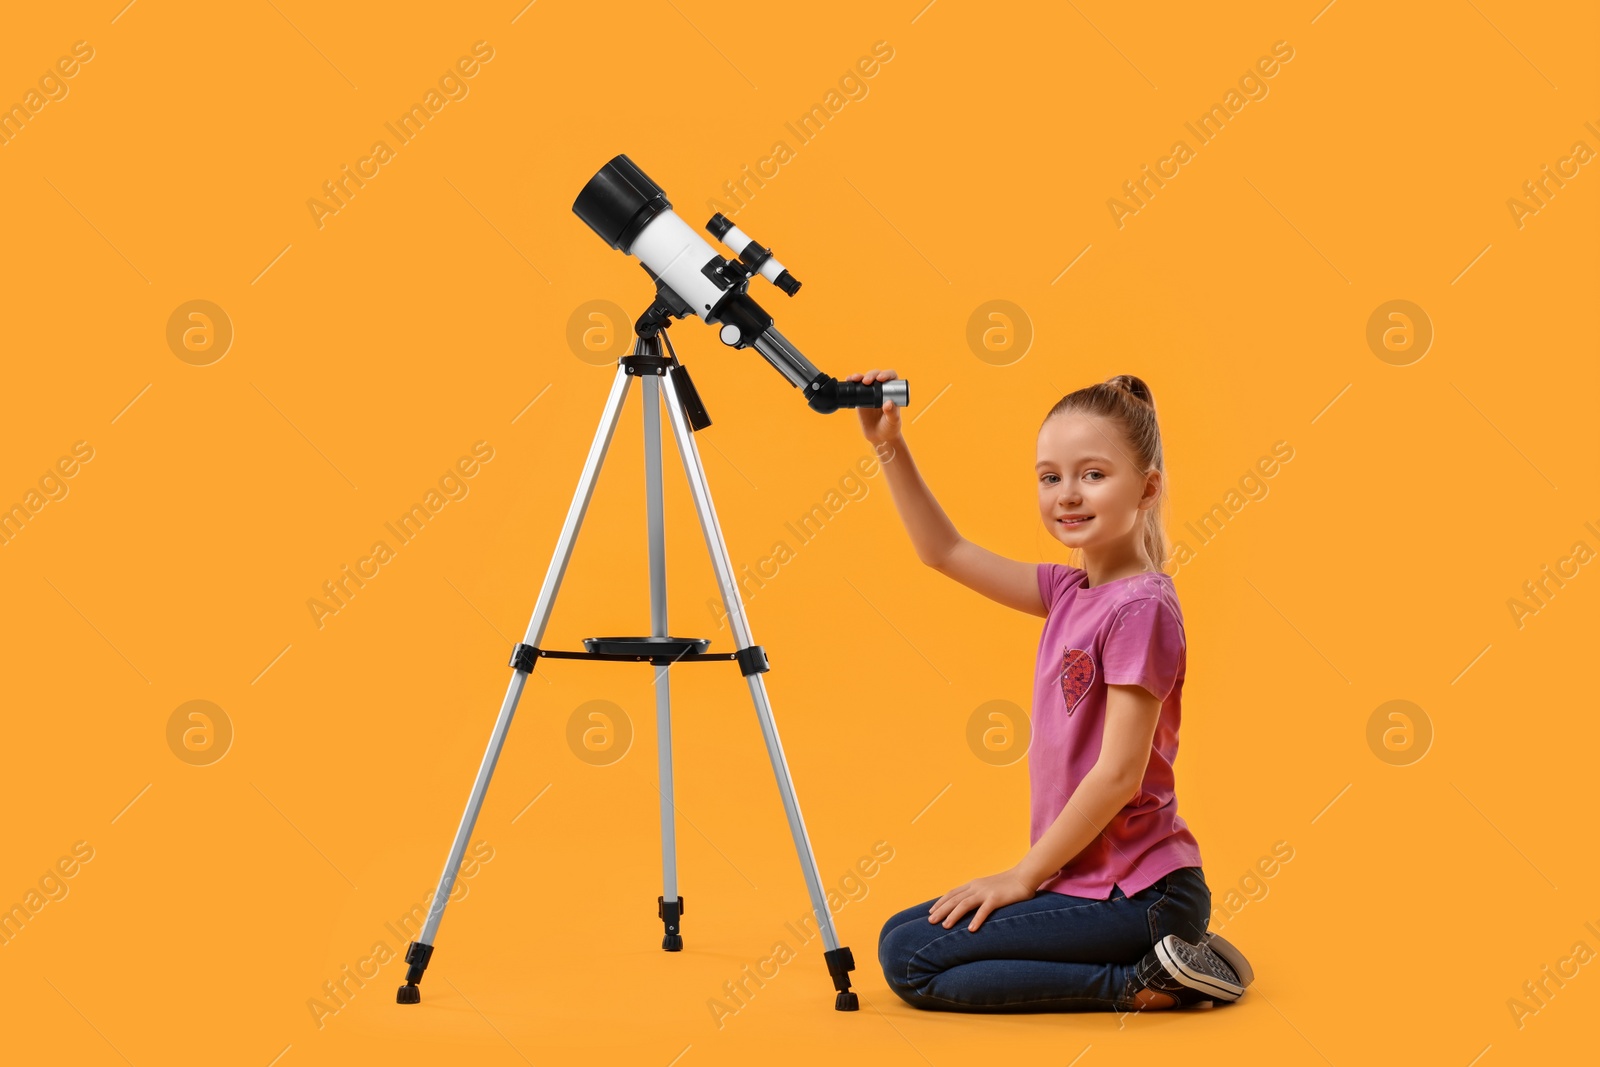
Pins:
x,y
1087,471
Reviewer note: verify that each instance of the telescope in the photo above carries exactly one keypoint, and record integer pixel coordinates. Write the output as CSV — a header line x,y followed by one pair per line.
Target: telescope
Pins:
x,y
632,214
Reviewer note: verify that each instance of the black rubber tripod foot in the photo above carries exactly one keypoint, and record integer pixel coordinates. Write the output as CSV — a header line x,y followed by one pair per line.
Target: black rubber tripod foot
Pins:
x,y
417,955
671,914
840,964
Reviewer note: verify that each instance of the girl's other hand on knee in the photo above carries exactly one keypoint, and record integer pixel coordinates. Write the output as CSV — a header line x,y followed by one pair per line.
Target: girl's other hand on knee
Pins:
x,y
986,894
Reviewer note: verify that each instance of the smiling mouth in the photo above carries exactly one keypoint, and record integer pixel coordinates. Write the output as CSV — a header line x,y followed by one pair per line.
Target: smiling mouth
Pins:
x,y
1074,523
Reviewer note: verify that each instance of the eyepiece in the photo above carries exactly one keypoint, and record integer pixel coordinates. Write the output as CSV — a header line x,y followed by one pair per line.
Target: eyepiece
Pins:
x,y
827,395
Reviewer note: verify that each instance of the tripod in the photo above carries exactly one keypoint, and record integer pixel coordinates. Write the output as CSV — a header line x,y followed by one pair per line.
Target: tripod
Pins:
x,y
687,414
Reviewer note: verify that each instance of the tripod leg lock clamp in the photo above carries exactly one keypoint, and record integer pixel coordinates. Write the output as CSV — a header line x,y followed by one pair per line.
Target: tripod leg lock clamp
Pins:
x,y
417,955
669,911
752,660
840,964
523,657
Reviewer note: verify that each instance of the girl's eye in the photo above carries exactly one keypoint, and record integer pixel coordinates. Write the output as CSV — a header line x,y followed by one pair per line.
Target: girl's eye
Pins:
x,y
1102,474
1046,478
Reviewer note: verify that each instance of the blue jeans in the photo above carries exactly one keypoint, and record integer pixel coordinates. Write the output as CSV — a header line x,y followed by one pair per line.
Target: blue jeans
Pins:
x,y
1052,952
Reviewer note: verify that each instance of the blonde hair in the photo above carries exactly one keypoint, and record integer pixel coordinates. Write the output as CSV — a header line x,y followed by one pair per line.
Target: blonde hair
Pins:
x,y
1126,401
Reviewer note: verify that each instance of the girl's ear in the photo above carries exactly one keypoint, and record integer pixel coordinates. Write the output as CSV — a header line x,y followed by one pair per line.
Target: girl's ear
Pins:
x,y
1152,490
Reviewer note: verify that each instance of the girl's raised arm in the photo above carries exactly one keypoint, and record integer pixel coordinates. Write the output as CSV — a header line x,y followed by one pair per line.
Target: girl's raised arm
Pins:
x,y
1011,582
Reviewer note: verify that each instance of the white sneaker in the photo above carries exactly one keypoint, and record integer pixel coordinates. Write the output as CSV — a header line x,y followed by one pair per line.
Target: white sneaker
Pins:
x,y
1231,955
1192,974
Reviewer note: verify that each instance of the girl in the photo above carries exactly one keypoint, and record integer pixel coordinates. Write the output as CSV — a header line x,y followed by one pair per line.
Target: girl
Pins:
x,y
1109,908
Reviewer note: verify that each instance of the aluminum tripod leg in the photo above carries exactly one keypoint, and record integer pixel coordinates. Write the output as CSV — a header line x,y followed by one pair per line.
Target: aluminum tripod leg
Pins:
x,y
839,960
421,950
669,906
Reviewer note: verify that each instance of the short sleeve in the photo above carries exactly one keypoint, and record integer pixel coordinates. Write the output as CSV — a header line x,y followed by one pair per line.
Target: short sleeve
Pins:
x,y
1144,646
1054,577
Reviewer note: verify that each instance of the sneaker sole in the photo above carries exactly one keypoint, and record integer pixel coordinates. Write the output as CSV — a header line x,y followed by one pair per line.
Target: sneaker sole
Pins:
x,y
1204,983
1233,957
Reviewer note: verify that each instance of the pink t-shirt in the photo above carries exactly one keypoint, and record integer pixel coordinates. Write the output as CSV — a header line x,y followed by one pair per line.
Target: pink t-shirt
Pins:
x,y
1125,631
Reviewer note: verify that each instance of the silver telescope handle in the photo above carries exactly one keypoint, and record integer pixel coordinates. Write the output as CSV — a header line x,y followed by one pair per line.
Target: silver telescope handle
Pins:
x,y
786,357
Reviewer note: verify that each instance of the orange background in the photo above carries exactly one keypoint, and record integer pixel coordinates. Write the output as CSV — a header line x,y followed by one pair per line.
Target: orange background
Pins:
x,y
434,308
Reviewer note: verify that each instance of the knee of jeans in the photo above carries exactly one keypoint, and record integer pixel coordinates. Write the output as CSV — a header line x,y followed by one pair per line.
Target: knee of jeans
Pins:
x,y
888,954
896,946
913,996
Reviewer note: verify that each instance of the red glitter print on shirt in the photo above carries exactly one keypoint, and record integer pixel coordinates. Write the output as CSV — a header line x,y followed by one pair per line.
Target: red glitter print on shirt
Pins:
x,y
1077,673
